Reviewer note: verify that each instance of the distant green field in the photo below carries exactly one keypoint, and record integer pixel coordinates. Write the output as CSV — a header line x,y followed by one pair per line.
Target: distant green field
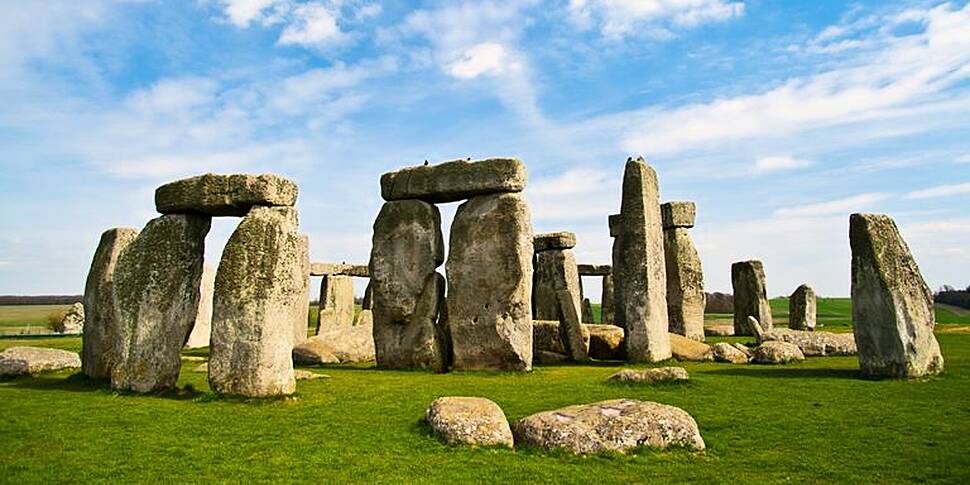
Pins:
x,y
27,318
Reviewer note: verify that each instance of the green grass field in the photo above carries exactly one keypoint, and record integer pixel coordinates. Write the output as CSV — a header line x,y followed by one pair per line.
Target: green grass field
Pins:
x,y
17,319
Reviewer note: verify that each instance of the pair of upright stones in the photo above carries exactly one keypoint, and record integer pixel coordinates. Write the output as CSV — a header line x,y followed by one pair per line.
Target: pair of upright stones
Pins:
x,y
484,322
751,301
143,289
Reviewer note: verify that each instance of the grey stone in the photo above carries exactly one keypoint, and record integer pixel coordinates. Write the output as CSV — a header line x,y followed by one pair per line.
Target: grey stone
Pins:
x,y
719,330
814,343
73,321
571,327
750,296
744,349
678,214
455,180
556,294
649,376
99,351
616,224
554,240
354,344
313,352
777,352
547,337
685,284
202,329
605,341
336,302
489,274
469,421
408,294
594,269
545,357
156,297
801,309
18,361
260,304
684,348
892,307
339,269
617,425
588,311
305,375
225,195
639,269
725,352
607,300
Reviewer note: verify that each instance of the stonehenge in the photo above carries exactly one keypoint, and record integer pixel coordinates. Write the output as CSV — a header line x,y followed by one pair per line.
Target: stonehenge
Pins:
x,y
892,307
801,308
685,277
556,292
606,299
750,296
202,329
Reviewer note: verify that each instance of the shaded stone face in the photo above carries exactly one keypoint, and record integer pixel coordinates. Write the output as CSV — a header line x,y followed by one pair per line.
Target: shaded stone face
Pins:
x,y
801,309
261,299
202,329
101,333
156,298
678,214
339,269
750,296
588,311
407,291
892,307
489,275
685,284
607,307
594,269
547,336
554,270
639,269
336,302
455,180
225,195
554,240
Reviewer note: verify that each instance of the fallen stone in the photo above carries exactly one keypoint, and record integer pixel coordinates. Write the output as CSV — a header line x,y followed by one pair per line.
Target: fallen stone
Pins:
x,y
815,343
605,342
678,214
354,344
336,302
777,352
554,240
225,195
684,348
750,296
650,376
594,269
547,336
892,307
202,329
744,349
617,425
469,421
725,352
719,330
18,361
313,352
455,180
305,375
801,309
544,357
99,352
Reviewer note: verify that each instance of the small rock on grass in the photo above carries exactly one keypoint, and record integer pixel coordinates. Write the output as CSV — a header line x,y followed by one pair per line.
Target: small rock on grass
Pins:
x,y
469,420
777,352
650,376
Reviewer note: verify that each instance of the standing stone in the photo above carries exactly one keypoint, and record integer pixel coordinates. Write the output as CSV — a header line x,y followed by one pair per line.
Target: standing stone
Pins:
x,y
750,296
801,309
408,293
892,307
685,277
101,333
616,222
588,316
261,299
336,303
202,329
639,268
73,321
556,287
156,298
606,301
489,274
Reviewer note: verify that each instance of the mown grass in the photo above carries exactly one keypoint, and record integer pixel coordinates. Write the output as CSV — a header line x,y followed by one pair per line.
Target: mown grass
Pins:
x,y
27,318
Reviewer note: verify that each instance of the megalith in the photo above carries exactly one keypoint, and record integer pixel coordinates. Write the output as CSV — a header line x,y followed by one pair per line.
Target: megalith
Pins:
x,y
336,302
156,298
801,309
202,329
261,300
407,291
455,180
615,222
489,273
101,332
225,195
892,307
639,268
685,277
606,300
556,290
750,296
588,316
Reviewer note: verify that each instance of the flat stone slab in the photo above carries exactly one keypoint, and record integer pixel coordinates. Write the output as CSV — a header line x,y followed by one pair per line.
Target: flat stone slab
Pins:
x,y
719,330
554,240
594,269
18,361
313,352
339,269
305,375
815,343
225,195
650,376
684,348
777,352
617,425
678,214
470,421
725,352
455,180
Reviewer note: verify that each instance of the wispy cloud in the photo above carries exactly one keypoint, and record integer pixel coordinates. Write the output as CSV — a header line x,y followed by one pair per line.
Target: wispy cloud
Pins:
x,y
780,163
849,204
940,191
656,18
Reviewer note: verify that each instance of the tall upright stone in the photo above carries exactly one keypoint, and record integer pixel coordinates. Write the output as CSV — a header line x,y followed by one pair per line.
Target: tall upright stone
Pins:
x,y
639,267
202,329
750,296
556,289
801,309
892,307
156,298
407,291
489,273
261,300
616,223
685,277
588,316
606,301
101,333
336,303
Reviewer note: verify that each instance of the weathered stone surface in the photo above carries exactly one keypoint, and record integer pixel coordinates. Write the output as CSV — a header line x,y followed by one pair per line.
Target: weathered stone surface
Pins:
x,y
725,352
17,361
605,342
617,425
202,329
99,351
313,352
750,296
547,336
650,376
455,180
489,274
156,296
685,284
545,357
469,421
587,311
261,300
354,344
556,294
684,348
678,214
639,269
408,294
224,195
892,307
719,330
744,349
814,343
73,321
594,269
777,352
571,327
336,302
617,253
801,309
607,307
339,269
305,375
616,223
554,240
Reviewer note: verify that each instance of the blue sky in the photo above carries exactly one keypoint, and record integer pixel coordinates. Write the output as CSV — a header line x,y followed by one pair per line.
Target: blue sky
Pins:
x,y
778,118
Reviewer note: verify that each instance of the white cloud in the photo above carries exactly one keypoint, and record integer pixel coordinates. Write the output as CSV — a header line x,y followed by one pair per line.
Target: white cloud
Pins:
x,y
847,205
313,24
780,163
940,191
572,182
308,24
479,59
242,12
619,18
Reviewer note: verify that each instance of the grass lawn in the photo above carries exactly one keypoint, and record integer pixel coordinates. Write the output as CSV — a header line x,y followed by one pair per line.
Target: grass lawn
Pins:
x,y
27,318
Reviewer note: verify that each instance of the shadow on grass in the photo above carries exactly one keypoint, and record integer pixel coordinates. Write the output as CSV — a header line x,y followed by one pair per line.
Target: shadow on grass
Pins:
x,y
785,372
79,382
